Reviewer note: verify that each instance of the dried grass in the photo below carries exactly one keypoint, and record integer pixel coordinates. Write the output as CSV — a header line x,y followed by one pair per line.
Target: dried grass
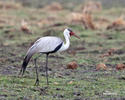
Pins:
x,y
101,66
55,6
88,21
120,66
92,6
72,65
25,27
84,18
10,5
108,53
119,22
45,22
102,22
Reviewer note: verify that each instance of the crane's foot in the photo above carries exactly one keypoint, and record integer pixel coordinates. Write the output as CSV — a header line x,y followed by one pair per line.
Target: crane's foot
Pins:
x,y
20,73
47,83
37,82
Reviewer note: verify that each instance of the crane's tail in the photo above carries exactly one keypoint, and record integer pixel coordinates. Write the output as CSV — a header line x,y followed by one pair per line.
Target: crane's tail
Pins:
x,y
25,63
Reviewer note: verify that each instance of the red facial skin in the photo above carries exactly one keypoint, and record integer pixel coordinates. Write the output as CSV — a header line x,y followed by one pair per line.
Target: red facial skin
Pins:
x,y
73,34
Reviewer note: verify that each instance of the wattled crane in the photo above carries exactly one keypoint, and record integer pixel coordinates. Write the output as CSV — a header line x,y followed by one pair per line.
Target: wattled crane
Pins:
x,y
47,45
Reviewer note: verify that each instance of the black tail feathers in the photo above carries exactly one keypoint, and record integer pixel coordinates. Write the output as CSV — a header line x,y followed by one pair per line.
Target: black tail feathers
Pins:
x,y
24,65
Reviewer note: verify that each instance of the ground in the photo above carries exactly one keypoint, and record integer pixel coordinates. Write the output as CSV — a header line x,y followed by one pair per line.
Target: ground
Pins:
x,y
83,83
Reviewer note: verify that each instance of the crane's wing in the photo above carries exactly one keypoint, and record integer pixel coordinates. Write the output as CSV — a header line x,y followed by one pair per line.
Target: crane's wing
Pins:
x,y
45,44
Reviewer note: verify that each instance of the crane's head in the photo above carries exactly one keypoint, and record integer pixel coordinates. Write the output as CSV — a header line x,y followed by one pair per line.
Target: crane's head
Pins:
x,y
70,33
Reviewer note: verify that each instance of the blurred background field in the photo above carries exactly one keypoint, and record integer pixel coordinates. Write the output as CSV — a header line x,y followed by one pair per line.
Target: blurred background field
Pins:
x,y
92,68
69,3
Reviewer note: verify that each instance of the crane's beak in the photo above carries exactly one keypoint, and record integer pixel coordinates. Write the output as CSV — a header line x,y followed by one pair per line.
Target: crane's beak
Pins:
x,y
76,36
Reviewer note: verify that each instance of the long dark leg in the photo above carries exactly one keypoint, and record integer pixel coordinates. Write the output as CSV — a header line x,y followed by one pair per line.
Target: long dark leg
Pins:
x,y
37,76
47,69
20,72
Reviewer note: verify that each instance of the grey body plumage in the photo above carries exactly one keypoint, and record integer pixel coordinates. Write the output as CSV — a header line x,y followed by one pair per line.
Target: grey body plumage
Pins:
x,y
42,45
47,45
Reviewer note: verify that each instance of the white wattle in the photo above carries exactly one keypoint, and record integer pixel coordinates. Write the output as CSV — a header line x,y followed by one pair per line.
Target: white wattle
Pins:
x,y
66,45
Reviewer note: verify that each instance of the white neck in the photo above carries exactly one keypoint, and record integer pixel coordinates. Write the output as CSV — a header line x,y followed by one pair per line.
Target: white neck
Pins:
x,y
66,45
